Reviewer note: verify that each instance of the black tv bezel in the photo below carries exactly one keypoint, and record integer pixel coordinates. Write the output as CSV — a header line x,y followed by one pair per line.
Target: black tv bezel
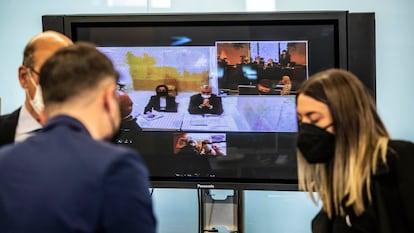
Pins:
x,y
339,19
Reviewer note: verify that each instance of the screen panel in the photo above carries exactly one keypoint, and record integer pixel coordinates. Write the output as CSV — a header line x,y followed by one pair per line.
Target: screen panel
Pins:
x,y
241,56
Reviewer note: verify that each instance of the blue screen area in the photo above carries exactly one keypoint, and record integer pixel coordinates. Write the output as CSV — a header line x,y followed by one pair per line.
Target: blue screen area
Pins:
x,y
280,211
184,208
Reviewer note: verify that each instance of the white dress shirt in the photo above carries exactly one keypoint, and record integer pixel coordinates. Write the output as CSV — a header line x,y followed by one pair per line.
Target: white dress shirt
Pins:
x,y
26,125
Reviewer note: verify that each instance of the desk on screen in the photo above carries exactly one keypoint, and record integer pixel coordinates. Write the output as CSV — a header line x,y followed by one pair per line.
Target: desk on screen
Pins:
x,y
164,121
209,122
242,113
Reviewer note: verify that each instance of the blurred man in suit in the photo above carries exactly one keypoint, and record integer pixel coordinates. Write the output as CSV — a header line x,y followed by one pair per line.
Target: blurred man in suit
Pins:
x,y
205,102
130,132
21,123
67,178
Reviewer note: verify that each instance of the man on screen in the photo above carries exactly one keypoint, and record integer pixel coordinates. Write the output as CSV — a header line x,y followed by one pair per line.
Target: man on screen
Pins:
x,y
205,102
162,101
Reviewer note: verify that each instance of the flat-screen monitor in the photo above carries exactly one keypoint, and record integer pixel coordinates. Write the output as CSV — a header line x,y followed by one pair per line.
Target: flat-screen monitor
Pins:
x,y
245,137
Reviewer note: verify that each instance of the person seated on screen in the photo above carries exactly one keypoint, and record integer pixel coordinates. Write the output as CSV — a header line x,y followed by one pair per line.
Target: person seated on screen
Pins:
x,y
269,64
190,161
190,148
162,101
129,130
258,60
244,60
205,102
264,87
287,85
222,61
284,58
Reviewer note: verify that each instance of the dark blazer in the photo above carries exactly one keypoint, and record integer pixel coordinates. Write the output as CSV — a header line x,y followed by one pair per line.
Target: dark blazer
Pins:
x,y
129,134
8,124
62,180
197,99
191,162
154,103
284,60
393,198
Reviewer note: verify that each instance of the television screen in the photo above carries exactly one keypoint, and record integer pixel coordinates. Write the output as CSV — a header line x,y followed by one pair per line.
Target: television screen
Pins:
x,y
214,94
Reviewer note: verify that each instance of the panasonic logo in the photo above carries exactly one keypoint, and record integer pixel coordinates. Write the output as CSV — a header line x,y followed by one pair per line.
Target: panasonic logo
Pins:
x,y
205,186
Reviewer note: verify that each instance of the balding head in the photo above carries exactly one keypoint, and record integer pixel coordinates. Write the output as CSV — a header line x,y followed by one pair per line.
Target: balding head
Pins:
x,y
205,89
36,52
41,46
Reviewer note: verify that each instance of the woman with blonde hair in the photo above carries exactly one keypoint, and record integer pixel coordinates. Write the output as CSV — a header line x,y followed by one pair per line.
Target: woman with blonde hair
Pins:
x,y
346,157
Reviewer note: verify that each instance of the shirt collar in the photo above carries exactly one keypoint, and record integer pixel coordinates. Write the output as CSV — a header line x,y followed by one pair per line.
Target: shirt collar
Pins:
x,y
26,125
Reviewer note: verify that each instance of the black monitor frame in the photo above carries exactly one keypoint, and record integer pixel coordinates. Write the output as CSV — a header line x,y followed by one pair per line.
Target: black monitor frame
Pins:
x,y
354,50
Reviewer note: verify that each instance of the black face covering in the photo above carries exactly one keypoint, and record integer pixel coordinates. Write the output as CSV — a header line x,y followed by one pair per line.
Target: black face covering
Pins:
x,y
316,144
162,93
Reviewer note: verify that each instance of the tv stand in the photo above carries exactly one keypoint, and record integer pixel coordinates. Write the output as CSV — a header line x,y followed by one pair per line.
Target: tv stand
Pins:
x,y
220,210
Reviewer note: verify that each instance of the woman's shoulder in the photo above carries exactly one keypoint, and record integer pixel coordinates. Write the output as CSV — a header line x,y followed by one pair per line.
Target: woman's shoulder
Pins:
x,y
401,147
402,159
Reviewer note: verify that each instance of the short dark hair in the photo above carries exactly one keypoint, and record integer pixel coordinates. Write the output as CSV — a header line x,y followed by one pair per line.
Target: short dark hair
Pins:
x,y
28,58
72,70
161,85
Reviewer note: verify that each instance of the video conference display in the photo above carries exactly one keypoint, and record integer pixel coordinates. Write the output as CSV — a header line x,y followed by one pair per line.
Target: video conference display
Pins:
x,y
245,108
214,102
246,79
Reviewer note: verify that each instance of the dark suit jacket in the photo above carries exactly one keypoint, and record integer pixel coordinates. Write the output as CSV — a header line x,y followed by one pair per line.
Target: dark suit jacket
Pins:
x,y
191,162
154,103
130,134
62,180
197,99
8,124
284,61
393,198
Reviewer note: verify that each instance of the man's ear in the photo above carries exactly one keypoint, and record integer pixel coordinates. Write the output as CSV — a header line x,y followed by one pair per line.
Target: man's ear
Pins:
x,y
23,72
109,98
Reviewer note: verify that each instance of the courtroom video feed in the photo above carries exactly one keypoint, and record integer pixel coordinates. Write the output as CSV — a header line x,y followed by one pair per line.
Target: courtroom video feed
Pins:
x,y
261,67
182,89
208,144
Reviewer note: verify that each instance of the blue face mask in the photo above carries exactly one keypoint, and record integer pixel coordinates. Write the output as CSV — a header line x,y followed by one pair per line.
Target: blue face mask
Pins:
x,y
316,144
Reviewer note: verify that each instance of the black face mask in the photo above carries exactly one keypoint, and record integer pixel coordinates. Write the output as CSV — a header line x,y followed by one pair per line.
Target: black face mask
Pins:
x,y
162,93
316,144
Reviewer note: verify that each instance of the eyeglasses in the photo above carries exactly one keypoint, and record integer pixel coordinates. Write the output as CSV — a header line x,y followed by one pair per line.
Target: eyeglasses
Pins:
x,y
34,71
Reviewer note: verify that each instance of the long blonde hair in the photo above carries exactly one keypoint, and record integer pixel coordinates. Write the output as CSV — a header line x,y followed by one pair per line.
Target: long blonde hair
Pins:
x,y
361,141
